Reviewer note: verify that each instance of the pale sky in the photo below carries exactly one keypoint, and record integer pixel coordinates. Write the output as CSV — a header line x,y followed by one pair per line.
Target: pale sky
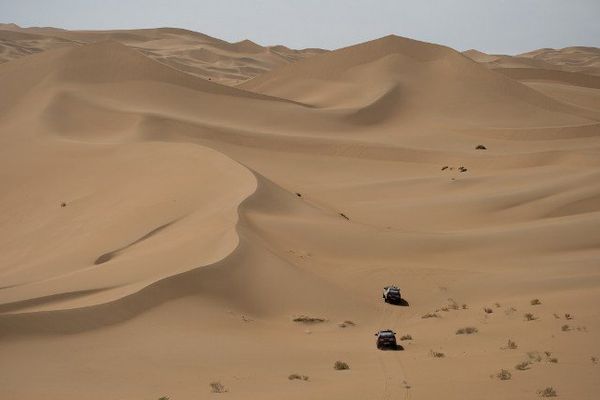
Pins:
x,y
495,26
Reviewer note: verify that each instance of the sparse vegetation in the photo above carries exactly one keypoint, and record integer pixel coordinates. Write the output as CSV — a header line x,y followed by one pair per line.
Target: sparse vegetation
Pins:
x,y
430,315
346,324
340,365
308,320
464,306
534,356
568,316
535,302
452,305
298,377
511,344
547,392
217,387
406,337
504,375
436,354
556,316
522,366
469,330
530,317
164,398
565,328
497,305
480,147
488,310
63,204
594,360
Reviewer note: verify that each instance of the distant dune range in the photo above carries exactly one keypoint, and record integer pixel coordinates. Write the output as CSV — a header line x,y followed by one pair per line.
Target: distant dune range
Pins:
x,y
171,202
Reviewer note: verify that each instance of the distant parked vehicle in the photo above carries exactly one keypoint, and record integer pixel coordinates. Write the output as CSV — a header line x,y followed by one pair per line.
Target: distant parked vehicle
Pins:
x,y
386,339
391,294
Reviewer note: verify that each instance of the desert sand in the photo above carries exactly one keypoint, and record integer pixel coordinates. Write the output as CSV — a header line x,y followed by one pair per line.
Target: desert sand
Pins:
x,y
173,205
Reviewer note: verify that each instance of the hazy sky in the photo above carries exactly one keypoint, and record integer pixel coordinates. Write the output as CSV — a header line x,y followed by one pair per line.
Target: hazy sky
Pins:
x,y
500,26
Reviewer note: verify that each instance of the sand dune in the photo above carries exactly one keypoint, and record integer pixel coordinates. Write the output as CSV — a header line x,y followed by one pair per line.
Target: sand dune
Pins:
x,y
161,231
194,53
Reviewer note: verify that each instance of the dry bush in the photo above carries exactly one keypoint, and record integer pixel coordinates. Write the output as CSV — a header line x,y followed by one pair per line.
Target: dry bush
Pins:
x,y
340,365
464,306
565,328
488,310
217,387
556,316
308,320
594,360
504,375
547,392
530,317
430,315
453,305
523,365
406,337
480,147
163,398
535,302
534,356
436,354
568,316
467,330
511,344
346,324
298,377
497,305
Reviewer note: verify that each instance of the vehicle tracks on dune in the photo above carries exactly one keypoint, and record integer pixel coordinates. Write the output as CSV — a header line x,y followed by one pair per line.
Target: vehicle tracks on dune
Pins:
x,y
395,376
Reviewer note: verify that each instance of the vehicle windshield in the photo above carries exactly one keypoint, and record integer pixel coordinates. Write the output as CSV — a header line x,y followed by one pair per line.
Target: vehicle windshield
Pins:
x,y
386,334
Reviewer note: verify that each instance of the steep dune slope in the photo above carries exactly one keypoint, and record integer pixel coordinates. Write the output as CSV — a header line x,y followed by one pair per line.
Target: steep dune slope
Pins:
x,y
406,82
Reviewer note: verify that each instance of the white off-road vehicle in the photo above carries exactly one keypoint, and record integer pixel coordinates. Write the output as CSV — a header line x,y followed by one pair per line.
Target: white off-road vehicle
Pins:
x,y
391,294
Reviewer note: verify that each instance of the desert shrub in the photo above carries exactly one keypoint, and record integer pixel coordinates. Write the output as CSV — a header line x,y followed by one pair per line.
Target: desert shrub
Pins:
x,y
298,377
217,387
430,315
405,337
504,375
163,398
480,147
488,310
522,366
553,360
535,302
534,356
464,306
497,305
565,328
467,330
547,392
452,304
340,365
594,360
529,317
568,316
511,344
436,354
346,324
556,315
308,320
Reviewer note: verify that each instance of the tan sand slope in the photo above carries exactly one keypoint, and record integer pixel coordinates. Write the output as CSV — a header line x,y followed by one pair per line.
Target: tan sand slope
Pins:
x,y
194,53
160,232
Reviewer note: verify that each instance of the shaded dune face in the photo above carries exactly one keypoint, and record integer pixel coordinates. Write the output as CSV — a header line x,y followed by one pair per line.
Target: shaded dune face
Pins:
x,y
158,222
